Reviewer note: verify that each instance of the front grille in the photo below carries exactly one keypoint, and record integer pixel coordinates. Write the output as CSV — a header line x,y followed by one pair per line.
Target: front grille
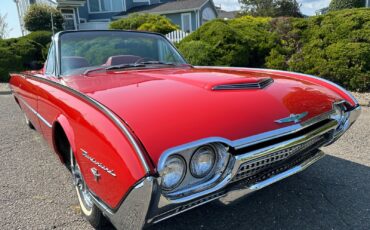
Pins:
x,y
278,168
256,166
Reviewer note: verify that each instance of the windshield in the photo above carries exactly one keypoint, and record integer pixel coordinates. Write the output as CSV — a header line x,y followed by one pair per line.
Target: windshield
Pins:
x,y
88,50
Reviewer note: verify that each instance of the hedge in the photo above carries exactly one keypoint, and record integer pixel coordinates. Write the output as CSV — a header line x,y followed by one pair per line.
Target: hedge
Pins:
x,y
145,22
335,46
18,54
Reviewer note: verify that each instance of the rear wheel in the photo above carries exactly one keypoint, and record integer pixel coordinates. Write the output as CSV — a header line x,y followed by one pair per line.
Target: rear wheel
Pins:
x,y
88,209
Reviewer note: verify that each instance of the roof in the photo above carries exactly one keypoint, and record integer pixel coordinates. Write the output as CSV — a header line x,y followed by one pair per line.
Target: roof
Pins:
x,y
172,6
227,14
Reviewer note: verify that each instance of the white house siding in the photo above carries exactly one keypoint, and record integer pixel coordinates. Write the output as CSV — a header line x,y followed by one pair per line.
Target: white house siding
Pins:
x,y
94,26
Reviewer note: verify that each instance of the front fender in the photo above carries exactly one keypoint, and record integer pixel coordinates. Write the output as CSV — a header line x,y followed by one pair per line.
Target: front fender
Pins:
x,y
67,128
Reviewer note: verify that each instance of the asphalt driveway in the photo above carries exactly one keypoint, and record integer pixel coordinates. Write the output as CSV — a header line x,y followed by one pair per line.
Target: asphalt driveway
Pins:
x,y
36,193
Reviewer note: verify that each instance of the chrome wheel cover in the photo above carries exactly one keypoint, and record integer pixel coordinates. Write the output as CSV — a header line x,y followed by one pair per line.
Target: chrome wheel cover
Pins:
x,y
79,183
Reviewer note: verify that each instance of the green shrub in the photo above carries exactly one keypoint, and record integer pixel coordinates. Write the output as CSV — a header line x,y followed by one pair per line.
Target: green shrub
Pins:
x,y
257,31
198,53
41,37
8,64
228,45
145,22
18,54
334,46
38,17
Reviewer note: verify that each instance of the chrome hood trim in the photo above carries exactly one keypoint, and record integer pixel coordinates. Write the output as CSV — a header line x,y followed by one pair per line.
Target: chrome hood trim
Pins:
x,y
261,84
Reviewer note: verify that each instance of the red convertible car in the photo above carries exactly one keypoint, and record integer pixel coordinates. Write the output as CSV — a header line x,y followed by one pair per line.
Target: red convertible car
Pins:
x,y
147,136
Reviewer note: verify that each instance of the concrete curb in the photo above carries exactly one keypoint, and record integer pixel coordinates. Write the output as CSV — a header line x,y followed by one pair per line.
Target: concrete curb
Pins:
x,y
5,92
4,89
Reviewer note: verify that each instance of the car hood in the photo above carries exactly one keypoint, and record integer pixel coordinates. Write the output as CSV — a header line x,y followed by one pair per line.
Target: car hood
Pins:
x,y
173,106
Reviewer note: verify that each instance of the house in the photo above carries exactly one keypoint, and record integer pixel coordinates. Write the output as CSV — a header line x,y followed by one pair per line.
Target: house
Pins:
x,y
97,14
22,7
322,11
226,15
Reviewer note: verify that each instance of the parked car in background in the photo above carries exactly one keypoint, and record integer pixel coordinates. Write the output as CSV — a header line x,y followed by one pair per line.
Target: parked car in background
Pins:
x,y
147,136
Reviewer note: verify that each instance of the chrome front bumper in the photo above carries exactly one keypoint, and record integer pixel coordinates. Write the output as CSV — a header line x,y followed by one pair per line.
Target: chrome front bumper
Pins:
x,y
146,204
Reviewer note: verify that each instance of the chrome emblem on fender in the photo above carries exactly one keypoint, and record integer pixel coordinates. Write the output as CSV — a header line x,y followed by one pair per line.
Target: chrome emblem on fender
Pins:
x,y
292,118
100,165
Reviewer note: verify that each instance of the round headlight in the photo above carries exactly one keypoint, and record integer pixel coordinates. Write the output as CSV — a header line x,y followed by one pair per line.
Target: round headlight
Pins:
x,y
173,172
202,161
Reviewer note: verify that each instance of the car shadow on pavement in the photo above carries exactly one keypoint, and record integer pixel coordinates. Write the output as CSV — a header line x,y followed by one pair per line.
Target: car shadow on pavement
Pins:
x,y
332,194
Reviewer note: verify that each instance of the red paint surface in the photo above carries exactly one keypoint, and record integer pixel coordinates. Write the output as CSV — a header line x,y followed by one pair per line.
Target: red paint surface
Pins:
x,y
171,107
164,108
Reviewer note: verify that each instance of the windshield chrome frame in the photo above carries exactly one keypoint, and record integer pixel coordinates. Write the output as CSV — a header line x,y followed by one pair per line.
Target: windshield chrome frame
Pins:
x,y
57,42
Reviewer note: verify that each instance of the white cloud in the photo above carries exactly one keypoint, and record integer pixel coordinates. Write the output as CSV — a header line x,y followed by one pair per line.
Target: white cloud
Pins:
x,y
308,6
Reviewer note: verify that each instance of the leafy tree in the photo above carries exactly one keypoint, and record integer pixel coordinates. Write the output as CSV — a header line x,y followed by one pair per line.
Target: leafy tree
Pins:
x,y
287,8
346,4
145,22
38,17
3,26
272,8
259,7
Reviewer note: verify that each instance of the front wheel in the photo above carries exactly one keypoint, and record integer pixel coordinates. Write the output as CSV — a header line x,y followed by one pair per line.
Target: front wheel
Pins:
x,y
88,209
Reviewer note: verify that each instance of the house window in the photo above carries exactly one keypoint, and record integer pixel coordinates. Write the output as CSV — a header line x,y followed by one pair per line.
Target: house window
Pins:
x,y
207,15
102,6
186,22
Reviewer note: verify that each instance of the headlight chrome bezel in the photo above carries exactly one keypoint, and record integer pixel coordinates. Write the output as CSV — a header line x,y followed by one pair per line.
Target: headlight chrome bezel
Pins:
x,y
341,115
191,183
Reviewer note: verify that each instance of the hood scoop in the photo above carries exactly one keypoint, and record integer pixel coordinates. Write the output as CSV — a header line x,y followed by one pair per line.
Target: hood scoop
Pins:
x,y
260,83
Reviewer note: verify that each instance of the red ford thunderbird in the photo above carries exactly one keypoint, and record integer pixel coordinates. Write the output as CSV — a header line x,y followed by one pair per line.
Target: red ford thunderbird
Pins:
x,y
147,136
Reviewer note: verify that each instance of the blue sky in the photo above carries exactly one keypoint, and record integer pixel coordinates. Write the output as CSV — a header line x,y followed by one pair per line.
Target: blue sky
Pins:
x,y
8,7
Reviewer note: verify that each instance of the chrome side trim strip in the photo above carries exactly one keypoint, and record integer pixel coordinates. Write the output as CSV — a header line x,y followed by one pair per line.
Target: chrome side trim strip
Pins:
x,y
35,112
116,120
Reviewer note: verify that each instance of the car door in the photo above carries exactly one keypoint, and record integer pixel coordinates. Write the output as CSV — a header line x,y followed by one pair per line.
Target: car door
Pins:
x,y
46,109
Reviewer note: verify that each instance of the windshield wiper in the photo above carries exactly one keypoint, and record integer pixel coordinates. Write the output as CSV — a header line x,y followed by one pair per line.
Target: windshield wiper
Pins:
x,y
123,66
156,63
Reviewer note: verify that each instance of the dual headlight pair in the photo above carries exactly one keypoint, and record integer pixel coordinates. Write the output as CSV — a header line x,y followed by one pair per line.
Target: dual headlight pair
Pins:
x,y
202,164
